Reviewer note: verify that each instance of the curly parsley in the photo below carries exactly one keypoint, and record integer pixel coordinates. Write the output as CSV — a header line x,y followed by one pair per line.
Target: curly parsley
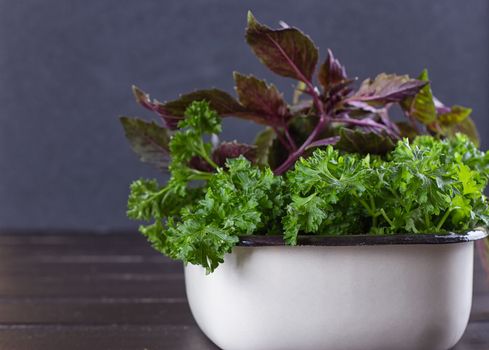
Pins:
x,y
217,194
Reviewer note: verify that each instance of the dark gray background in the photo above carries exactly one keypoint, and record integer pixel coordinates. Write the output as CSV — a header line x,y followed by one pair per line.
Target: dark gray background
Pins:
x,y
66,68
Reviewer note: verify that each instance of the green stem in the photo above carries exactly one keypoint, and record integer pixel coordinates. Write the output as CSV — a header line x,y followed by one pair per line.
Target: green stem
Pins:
x,y
371,209
443,219
374,210
372,203
394,193
163,200
382,211
210,161
206,157
366,206
427,220
199,175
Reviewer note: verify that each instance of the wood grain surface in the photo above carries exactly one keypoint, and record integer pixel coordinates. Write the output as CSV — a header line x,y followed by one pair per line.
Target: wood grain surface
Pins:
x,y
112,291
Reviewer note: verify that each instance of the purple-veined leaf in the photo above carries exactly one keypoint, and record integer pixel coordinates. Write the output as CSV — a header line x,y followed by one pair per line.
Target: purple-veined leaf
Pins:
x,y
227,150
331,72
362,106
452,120
173,111
342,89
220,101
287,51
199,163
440,107
358,141
407,130
148,140
224,151
386,88
466,126
376,122
263,102
324,142
422,105
455,115
302,107
143,98
393,130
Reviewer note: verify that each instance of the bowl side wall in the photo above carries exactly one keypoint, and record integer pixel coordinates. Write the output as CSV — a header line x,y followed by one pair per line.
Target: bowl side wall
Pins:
x,y
350,297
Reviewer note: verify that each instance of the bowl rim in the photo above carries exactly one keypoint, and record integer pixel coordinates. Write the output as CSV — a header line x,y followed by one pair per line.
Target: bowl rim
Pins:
x,y
365,239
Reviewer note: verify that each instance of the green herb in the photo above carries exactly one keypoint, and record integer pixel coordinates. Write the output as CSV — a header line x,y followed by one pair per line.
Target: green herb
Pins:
x,y
331,162
200,224
424,186
239,201
427,186
147,199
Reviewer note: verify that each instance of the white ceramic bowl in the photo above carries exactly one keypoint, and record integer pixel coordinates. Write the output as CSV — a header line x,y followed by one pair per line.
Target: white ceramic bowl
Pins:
x,y
338,293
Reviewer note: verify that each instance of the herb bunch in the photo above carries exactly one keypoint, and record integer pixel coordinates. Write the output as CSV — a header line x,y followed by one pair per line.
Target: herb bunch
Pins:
x,y
345,163
425,186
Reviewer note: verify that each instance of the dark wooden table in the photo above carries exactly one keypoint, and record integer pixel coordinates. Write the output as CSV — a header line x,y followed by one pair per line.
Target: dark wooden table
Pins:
x,y
112,291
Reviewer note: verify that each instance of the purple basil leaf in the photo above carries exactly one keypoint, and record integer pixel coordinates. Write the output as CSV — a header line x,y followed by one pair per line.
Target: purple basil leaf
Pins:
x,y
466,127
302,107
451,120
440,107
227,150
455,115
341,89
224,151
287,51
421,106
386,120
331,72
148,140
324,142
143,98
407,130
199,163
220,101
358,141
386,88
264,102
173,111
363,106
455,119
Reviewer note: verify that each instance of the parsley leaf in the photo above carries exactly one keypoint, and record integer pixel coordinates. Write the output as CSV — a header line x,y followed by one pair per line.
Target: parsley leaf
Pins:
x,y
242,200
427,186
